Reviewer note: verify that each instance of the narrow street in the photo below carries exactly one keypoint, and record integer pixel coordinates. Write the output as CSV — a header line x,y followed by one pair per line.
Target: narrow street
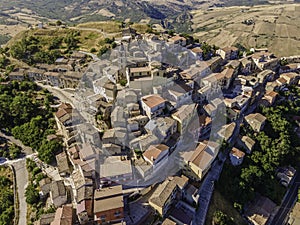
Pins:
x,y
207,188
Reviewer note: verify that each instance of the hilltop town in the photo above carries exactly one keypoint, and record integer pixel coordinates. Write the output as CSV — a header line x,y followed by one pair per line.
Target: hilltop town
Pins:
x,y
152,127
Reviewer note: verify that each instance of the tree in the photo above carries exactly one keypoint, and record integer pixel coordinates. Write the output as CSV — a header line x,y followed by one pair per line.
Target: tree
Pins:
x,y
55,43
4,62
252,175
71,40
171,32
93,50
7,201
58,23
108,40
123,82
220,218
32,133
4,181
21,108
207,50
103,50
48,149
113,45
32,195
14,151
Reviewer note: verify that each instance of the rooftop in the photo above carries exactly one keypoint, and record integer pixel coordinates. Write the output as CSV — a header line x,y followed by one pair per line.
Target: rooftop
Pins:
x,y
230,48
237,153
260,210
249,142
62,112
177,38
289,75
87,151
168,222
181,215
160,125
154,151
164,190
227,130
228,72
202,156
108,198
179,88
58,189
271,94
197,50
140,69
255,117
62,162
146,140
213,77
153,100
84,193
52,74
185,111
72,74
114,166
63,216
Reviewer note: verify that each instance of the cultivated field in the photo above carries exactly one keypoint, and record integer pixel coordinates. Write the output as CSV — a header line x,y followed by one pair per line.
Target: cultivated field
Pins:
x,y
11,30
275,26
106,26
15,20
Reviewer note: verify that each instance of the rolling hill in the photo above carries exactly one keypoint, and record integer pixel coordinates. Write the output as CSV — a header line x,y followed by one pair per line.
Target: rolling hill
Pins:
x,y
218,21
276,27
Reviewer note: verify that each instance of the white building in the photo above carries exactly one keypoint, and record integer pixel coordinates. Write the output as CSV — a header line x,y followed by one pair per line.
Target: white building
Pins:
x,y
153,105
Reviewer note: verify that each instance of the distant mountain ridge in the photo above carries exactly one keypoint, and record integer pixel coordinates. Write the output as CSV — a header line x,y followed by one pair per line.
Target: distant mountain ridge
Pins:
x,y
67,9
168,12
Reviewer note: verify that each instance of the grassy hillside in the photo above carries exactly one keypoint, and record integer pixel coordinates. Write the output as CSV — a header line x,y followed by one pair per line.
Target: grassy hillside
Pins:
x,y
87,38
276,27
105,26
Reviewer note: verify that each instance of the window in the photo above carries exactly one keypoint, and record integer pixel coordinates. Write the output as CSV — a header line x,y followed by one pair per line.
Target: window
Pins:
x,y
103,218
117,213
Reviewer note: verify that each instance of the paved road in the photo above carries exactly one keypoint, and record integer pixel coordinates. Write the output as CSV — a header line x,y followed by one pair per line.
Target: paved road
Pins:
x,y
288,202
94,57
22,182
64,96
25,149
21,175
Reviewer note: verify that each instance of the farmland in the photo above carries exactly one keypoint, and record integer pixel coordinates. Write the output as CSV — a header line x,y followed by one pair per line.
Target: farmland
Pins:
x,y
276,27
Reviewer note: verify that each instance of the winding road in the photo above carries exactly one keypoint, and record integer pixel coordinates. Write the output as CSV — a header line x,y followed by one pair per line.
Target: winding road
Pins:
x,y
21,173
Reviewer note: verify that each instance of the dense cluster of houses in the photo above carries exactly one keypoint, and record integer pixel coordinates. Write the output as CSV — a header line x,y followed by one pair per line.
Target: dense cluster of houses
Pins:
x,y
150,101
64,73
